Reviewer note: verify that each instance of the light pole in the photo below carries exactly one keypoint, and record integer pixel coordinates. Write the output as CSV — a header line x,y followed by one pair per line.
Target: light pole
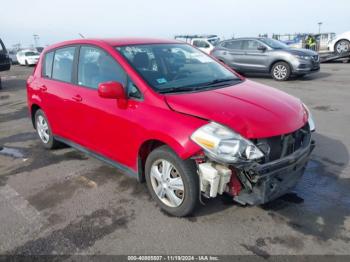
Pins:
x,y
319,27
36,40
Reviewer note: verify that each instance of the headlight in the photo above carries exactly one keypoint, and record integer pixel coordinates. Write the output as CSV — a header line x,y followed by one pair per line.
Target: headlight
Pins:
x,y
225,145
305,57
310,119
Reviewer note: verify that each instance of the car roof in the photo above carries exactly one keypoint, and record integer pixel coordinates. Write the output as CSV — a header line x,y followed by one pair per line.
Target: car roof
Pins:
x,y
246,38
115,41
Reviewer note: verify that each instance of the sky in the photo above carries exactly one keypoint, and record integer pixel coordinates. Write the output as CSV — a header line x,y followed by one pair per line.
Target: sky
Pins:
x,y
55,21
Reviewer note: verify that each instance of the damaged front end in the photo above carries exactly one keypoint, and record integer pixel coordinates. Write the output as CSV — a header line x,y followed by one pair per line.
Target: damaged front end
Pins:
x,y
256,172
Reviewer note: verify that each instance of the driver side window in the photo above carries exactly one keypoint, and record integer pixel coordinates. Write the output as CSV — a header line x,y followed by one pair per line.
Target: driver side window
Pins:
x,y
250,45
96,66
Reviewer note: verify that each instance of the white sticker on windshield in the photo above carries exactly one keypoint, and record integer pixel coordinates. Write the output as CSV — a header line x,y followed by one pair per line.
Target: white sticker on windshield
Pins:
x,y
161,80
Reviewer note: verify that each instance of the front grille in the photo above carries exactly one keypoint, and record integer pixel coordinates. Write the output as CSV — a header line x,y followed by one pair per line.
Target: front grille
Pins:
x,y
281,146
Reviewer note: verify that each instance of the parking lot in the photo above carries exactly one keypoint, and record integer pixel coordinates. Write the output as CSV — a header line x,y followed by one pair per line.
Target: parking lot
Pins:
x,y
64,202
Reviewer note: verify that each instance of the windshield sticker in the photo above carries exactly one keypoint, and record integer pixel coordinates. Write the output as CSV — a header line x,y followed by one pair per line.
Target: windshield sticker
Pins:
x,y
161,80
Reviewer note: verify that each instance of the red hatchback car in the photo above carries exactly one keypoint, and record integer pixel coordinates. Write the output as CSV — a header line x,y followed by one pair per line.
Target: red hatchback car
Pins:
x,y
165,112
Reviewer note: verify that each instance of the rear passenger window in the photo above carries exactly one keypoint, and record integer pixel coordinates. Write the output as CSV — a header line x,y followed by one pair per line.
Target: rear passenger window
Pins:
x,y
63,64
96,66
233,45
47,69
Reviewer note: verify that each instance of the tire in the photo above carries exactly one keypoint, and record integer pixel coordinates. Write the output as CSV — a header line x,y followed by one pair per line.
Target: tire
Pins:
x,y
178,169
342,47
43,127
26,63
281,71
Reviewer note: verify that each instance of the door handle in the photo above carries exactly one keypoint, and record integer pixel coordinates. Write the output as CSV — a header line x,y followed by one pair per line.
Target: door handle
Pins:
x,y
77,98
43,88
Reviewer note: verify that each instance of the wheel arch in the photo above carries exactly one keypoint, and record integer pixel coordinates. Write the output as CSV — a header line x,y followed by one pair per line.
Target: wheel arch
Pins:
x,y
33,109
183,151
277,61
339,40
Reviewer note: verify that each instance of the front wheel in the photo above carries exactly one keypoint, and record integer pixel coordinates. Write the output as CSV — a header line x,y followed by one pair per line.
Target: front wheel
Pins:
x,y
172,182
280,71
342,47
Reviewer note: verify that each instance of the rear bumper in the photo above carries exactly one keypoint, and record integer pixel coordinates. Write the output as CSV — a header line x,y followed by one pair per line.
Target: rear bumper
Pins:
x,y
274,179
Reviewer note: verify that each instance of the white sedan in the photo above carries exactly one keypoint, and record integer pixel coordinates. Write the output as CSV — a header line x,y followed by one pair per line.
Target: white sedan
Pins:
x,y
340,44
27,57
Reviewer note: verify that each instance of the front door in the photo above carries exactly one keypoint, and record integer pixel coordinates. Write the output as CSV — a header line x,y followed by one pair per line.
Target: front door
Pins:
x,y
104,126
254,59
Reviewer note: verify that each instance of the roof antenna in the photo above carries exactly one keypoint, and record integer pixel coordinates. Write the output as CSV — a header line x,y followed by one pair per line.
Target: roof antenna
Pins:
x,y
81,35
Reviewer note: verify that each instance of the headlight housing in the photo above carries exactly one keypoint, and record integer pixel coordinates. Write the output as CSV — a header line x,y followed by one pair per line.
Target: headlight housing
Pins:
x,y
224,145
310,119
304,57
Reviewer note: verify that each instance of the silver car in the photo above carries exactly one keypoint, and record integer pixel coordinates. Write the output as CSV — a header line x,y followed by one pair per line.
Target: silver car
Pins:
x,y
265,55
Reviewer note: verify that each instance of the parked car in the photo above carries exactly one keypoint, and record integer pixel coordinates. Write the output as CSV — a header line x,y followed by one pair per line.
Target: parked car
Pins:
x,y
265,55
27,57
165,112
340,44
5,63
206,43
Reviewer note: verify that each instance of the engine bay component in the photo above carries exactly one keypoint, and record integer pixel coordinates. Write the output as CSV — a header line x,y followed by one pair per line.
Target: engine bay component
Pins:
x,y
214,178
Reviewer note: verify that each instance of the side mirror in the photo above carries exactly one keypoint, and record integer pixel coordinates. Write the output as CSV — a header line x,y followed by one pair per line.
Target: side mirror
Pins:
x,y
262,48
111,90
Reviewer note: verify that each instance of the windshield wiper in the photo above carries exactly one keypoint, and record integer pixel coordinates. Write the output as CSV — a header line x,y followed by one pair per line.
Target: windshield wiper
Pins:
x,y
201,86
176,89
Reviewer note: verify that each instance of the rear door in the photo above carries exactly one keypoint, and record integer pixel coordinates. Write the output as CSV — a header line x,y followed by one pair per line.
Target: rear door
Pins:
x,y
56,90
233,53
254,59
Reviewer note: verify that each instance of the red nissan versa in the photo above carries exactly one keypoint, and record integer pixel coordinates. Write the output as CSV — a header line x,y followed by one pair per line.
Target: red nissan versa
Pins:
x,y
169,114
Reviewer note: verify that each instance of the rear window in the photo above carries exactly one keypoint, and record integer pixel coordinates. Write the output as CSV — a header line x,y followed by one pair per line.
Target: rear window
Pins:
x,y
31,53
63,64
47,68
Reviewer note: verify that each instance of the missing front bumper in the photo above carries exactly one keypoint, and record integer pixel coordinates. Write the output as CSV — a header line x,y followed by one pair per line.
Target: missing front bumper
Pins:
x,y
273,179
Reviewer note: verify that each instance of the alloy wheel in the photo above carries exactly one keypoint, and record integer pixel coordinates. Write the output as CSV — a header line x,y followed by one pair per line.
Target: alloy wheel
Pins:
x,y
280,72
43,129
343,47
167,183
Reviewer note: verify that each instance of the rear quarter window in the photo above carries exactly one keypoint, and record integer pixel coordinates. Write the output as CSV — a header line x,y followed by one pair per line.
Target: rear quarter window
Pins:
x,y
48,61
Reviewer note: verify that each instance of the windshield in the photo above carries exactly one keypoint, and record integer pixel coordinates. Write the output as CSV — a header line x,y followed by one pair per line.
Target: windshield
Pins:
x,y
274,44
31,53
176,67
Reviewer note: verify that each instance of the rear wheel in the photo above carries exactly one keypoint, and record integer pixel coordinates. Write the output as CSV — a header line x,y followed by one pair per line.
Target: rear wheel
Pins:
x,y
172,182
342,46
43,130
280,71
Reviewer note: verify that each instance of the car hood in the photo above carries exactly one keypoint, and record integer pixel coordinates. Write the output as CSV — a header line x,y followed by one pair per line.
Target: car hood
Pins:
x,y
300,51
251,109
